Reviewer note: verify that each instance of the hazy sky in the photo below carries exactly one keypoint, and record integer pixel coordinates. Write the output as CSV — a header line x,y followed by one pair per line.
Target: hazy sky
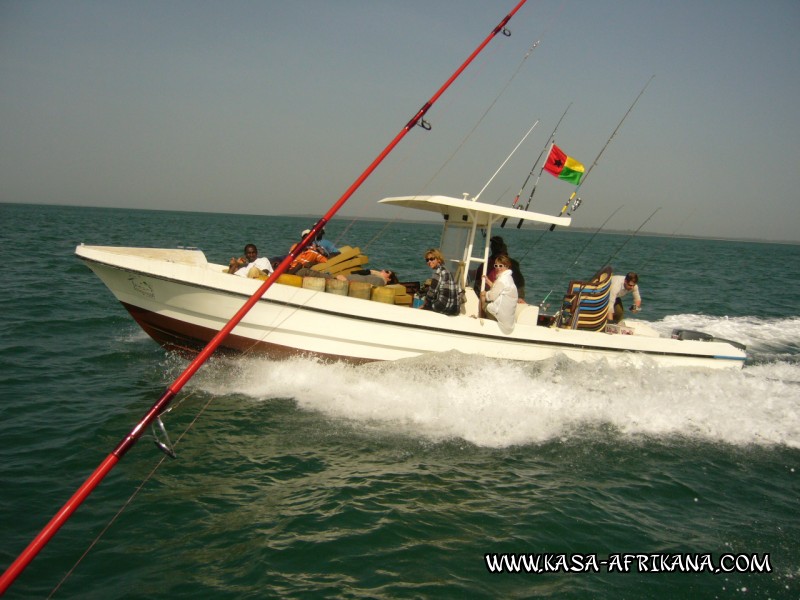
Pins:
x,y
275,107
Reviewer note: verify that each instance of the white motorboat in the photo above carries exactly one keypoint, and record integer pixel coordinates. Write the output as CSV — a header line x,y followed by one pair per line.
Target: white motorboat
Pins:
x,y
182,301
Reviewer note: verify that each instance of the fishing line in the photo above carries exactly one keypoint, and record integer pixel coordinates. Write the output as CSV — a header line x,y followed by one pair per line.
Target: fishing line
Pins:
x,y
527,55
664,244
483,116
610,258
380,233
545,231
578,255
463,142
530,51
630,237
586,245
406,152
465,139
340,237
135,493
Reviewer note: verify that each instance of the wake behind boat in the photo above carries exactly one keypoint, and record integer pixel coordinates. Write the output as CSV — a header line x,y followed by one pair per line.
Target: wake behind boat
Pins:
x,y
181,300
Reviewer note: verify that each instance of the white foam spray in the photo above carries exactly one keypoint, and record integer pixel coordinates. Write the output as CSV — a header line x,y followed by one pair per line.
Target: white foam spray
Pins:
x,y
497,403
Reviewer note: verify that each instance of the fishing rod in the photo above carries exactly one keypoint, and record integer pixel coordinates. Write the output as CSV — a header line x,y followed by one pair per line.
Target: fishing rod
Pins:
x,y
582,250
630,237
610,258
500,168
664,243
533,168
586,245
592,166
169,394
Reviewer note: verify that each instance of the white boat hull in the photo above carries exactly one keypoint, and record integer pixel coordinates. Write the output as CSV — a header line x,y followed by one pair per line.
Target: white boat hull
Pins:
x,y
182,301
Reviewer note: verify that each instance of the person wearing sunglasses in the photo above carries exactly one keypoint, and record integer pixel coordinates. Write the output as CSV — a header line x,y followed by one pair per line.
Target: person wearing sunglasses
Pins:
x,y
622,286
442,295
497,246
499,301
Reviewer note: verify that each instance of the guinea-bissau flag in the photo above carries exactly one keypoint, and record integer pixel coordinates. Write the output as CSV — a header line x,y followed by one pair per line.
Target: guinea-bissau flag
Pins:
x,y
563,166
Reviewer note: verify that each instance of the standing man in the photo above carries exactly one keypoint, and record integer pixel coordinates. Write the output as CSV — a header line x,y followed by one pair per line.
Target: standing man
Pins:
x,y
622,286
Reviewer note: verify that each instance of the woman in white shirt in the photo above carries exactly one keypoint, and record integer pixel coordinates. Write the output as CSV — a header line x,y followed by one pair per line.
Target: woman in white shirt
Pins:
x,y
500,300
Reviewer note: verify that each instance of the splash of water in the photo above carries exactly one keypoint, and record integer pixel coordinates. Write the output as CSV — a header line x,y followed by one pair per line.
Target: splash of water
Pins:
x,y
495,403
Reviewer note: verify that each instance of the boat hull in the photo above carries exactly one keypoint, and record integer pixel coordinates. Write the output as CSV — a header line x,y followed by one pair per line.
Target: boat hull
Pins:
x,y
182,301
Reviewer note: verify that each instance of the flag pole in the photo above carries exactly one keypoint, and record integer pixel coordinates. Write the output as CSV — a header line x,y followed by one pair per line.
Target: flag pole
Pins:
x,y
160,406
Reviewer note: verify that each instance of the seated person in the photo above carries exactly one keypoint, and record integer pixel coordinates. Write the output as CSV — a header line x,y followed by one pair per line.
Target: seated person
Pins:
x,y
499,301
442,295
328,248
372,276
310,256
250,265
377,278
497,246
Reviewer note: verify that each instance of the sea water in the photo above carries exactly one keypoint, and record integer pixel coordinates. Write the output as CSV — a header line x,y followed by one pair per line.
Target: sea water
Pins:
x,y
303,478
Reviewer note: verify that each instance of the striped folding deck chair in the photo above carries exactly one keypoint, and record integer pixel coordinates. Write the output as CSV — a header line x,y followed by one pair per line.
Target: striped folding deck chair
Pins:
x,y
587,302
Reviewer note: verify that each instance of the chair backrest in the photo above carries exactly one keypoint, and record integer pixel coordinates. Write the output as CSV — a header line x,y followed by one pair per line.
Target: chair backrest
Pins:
x,y
588,301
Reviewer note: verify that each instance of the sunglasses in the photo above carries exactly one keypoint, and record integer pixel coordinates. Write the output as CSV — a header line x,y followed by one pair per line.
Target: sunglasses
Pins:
x,y
430,259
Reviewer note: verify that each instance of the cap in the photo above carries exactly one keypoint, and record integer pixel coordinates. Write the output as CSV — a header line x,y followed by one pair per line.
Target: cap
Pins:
x,y
305,232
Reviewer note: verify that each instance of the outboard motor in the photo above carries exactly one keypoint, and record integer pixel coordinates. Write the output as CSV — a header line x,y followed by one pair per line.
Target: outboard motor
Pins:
x,y
688,334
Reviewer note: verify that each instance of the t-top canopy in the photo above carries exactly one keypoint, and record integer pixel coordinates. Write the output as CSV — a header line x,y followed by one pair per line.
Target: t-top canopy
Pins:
x,y
469,211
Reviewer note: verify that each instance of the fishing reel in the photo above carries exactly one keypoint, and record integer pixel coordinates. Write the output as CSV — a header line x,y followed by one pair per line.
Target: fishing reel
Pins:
x,y
574,206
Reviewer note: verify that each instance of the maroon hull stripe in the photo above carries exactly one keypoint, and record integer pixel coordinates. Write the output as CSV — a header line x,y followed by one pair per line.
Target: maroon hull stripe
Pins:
x,y
189,339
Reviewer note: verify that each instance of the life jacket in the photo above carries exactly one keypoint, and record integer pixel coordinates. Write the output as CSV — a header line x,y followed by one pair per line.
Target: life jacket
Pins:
x,y
306,259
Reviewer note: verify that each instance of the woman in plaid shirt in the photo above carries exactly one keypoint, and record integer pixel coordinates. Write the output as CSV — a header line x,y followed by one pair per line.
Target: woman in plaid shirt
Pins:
x,y
442,294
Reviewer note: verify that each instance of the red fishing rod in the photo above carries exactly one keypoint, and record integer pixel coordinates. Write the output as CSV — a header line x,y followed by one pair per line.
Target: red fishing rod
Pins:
x,y
161,405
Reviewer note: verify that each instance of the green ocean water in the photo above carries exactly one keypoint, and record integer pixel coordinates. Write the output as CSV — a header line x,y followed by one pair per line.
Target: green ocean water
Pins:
x,y
303,479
